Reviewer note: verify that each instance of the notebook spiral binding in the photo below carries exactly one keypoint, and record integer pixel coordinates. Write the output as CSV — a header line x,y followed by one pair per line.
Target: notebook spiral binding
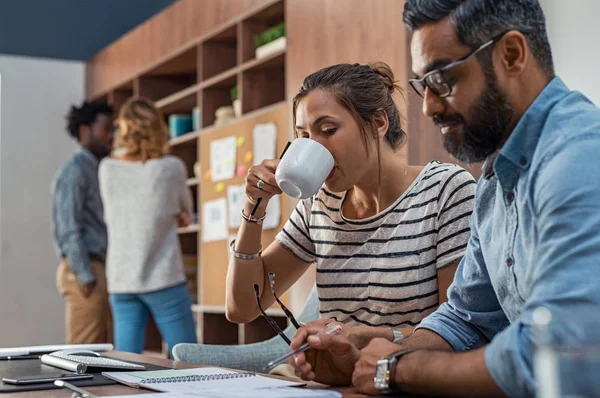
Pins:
x,y
219,376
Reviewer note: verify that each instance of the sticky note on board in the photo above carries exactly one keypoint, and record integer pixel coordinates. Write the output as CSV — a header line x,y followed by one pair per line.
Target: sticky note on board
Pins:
x,y
240,142
248,157
241,170
220,187
207,175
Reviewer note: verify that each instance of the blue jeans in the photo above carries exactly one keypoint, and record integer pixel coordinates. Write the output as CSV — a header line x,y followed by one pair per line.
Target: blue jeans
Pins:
x,y
170,308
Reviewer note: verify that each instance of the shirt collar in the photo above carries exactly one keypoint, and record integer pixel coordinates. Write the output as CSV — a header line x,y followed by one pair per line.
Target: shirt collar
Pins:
x,y
522,142
88,156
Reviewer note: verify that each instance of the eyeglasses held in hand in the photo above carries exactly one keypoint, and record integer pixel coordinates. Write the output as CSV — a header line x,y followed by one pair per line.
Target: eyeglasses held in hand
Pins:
x,y
270,320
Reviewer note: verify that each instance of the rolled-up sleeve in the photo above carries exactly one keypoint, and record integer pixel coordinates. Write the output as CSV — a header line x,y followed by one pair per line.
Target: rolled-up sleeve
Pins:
x,y
566,268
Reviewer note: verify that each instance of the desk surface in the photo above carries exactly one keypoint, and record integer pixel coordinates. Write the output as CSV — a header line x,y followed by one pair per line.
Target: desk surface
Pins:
x,y
124,390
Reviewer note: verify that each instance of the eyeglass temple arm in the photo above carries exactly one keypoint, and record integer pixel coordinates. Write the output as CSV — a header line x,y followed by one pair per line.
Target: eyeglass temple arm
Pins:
x,y
287,312
271,322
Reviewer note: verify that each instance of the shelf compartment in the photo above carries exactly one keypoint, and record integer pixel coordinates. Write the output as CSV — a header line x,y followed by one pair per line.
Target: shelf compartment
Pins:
x,y
263,82
216,95
219,52
120,95
183,101
258,23
172,76
187,153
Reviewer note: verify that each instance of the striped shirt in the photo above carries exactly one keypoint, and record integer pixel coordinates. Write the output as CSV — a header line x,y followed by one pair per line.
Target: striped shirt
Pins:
x,y
382,270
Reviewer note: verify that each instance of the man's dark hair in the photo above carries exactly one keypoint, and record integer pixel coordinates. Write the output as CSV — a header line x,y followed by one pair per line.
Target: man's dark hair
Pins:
x,y
85,115
477,21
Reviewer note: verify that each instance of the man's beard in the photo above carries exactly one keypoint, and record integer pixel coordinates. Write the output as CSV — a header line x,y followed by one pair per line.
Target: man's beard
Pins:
x,y
99,149
490,116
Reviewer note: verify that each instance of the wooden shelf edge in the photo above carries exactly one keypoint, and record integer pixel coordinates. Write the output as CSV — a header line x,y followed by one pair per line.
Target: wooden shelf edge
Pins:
x,y
184,138
253,63
249,115
211,81
186,92
256,10
189,230
257,62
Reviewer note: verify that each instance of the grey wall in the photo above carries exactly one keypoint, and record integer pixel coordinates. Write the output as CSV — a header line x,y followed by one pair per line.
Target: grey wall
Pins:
x,y
35,96
573,30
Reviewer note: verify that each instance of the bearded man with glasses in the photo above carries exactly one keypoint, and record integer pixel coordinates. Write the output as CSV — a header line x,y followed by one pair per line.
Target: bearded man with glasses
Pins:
x,y
485,71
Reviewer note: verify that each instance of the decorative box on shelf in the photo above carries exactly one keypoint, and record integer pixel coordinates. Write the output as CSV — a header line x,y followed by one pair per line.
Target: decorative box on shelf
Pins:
x,y
271,48
270,41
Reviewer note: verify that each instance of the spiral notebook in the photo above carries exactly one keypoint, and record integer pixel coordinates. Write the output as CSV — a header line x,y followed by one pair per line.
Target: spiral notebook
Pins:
x,y
193,380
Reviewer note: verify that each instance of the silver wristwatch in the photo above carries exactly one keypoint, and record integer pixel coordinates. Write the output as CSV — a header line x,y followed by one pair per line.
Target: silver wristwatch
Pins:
x,y
385,372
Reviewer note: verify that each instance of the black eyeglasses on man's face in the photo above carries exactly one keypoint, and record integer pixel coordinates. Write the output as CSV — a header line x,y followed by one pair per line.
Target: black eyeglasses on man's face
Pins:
x,y
270,320
436,80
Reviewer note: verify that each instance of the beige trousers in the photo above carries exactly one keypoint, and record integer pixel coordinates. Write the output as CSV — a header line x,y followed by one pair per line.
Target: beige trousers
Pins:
x,y
88,319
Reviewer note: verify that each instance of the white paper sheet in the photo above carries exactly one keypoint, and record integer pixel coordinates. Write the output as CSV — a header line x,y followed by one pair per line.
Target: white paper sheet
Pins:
x,y
214,220
265,139
222,158
236,198
273,213
239,386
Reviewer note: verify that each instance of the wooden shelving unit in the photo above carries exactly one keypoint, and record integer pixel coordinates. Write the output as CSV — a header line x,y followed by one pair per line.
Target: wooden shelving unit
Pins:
x,y
201,75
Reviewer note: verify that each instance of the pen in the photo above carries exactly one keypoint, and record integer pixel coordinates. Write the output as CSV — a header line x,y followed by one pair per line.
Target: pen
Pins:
x,y
82,393
13,357
260,199
335,329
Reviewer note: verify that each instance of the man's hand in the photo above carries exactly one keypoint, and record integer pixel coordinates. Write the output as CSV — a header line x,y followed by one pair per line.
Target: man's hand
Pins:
x,y
87,289
364,371
330,360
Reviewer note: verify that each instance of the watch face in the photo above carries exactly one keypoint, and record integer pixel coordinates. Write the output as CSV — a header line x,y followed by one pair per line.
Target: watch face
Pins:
x,y
382,377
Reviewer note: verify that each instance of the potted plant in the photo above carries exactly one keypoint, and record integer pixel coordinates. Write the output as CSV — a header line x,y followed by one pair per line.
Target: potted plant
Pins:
x,y
237,104
270,41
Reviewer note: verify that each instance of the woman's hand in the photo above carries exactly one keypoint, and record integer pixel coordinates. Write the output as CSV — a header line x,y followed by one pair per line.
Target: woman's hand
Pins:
x,y
184,220
264,172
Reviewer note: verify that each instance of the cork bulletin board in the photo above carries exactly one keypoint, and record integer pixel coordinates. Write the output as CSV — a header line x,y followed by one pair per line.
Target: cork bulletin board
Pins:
x,y
214,255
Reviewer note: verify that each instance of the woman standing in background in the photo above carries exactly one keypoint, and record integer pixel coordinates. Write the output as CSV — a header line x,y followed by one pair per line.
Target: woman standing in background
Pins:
x,y
145,199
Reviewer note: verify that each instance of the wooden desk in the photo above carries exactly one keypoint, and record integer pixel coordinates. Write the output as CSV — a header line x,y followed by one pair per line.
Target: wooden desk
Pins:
x,y
120,389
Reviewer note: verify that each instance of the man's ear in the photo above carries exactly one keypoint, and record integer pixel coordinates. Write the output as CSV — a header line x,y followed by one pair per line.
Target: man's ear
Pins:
x,y
514,52
381,123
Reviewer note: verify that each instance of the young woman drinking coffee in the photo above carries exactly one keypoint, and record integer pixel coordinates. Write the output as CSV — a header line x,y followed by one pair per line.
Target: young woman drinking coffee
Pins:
x,y
386,236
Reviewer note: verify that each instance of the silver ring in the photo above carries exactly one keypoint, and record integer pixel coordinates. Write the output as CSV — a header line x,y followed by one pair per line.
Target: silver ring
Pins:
x,y
260,184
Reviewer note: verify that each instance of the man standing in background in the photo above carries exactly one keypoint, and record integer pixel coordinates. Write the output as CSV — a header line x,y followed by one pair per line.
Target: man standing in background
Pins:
x,y
78,226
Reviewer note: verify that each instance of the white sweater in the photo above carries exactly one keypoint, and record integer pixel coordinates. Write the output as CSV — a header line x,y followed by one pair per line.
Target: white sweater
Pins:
x,y
141,204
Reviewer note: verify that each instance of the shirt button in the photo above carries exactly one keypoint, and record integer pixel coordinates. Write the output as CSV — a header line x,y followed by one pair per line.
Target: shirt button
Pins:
x,y
510,197
509,261
523,161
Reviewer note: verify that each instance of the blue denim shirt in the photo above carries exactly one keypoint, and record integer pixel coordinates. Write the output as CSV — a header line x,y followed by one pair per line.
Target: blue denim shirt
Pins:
x,y
535,241
77,214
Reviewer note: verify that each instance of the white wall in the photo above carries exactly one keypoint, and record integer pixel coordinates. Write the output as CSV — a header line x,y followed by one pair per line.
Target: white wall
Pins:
x,y
573,29
36,94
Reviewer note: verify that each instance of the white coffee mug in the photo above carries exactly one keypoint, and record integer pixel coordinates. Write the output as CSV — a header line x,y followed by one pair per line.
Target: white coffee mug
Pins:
x,y
304,168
